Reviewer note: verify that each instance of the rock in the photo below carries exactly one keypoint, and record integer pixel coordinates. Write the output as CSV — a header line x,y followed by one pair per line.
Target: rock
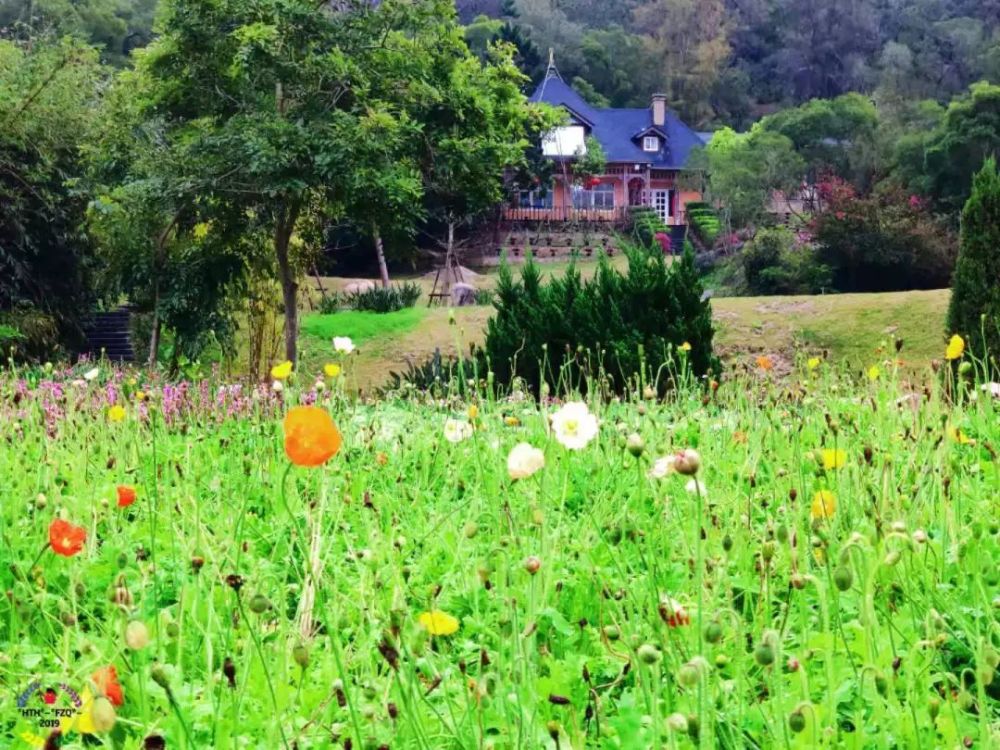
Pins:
x,y
463,294
357,287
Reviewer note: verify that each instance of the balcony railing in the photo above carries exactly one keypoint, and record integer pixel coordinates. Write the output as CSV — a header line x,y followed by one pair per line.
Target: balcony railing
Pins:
x,y
568,214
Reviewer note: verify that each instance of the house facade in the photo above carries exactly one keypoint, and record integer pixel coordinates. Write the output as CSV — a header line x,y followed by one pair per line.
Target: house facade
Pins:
x,y
646,150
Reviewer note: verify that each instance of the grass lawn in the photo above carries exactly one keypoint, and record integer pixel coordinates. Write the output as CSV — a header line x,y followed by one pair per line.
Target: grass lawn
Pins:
x,y
849,327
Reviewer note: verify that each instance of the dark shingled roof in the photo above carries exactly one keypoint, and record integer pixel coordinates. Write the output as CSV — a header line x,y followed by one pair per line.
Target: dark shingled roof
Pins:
x,y
617,130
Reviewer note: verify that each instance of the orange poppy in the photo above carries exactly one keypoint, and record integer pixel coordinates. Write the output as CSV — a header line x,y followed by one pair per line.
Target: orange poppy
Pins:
x,y
65,538
311,437
126,495
764,362
106,680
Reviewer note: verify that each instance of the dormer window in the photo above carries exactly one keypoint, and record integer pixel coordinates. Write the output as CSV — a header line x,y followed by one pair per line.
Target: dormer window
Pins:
x,y
650,143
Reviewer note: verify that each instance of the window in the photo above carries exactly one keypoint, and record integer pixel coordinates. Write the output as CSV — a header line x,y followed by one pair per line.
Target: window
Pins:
x,y
650,143
601,197
537,198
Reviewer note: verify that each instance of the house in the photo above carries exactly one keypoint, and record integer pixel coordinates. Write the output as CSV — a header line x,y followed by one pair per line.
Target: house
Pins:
x,y
645,150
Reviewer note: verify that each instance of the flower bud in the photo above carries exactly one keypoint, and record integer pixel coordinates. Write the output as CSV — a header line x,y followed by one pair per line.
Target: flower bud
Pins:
x,y
259,604
677,722
843,578
102,714
764,654
797,721
159,676
635,445
713,632
688,462
136,635
648,653
532,565
301,655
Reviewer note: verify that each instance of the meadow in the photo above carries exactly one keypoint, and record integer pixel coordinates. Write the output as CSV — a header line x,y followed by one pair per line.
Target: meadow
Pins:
x,y
797,561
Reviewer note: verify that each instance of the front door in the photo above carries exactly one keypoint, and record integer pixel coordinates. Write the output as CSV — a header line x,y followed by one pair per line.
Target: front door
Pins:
x,y
663,205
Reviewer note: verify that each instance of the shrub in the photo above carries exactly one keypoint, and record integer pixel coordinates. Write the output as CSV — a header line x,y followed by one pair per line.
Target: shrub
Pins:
x,y
484,297
774,264
377,299
646,224
434,375
704,222
613,327
881,243
974,311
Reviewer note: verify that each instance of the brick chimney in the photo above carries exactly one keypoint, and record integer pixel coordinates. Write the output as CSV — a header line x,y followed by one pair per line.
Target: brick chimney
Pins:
x,y
659,107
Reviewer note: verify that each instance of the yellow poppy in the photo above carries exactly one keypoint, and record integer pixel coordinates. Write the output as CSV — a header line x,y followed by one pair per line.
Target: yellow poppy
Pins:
x,y
956,347
437,622
331,369
960,437
511,421
685,347
824,505
473,411
282,371
116,413
874,372
813,362
834,458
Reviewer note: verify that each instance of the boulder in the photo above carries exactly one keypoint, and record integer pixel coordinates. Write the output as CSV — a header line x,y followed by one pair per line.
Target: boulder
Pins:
x,y
357,287
463,294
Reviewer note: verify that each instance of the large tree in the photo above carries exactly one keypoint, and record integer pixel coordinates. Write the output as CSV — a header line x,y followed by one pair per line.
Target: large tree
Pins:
x,y
48,95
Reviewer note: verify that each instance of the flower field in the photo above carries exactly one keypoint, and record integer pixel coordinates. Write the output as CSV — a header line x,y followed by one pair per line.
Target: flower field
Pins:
x,y
802,562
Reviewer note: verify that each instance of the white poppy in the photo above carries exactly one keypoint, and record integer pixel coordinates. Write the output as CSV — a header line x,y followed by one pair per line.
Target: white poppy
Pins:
x,y
277,386
992,388
524,460
662,467
343,344
457,430
91,374
574,425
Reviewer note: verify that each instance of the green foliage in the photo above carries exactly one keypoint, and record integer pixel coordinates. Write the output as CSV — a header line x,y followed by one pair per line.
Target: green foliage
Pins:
x,y
436,376
883,242
974,311
773,264
612,328
704,221
954,153
591,163
377,299
646,224
48,93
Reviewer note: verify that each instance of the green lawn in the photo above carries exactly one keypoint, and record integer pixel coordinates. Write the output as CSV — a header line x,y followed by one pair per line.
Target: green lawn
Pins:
x,y
362,326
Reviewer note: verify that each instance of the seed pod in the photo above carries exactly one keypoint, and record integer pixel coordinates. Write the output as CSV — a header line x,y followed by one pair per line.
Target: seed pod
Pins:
x,y
843,578
648,653
300,654
764,654
259,604
713,632
229,670
727,543
196,563
797,721
154,742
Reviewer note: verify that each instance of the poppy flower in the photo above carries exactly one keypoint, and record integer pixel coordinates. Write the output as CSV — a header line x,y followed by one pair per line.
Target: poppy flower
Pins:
x,y
685,347
874,372
311,437
331,369
106,680
126,495
824,505
574,425
956,347
764,362
282,371
65,538
116,413
834,458
812,363
438,622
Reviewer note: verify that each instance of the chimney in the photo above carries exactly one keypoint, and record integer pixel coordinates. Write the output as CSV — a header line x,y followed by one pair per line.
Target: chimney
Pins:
x,y
659,107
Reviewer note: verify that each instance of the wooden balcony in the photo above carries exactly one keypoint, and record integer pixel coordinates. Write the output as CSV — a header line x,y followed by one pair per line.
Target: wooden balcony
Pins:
x,y
567,214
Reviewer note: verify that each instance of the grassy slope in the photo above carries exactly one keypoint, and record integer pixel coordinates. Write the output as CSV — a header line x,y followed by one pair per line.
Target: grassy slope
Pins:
x,y
850,327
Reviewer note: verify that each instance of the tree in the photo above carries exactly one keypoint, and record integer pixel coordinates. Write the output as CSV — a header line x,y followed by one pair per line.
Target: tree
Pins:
x,y
969,134
745,170
48,95
974,310
688,41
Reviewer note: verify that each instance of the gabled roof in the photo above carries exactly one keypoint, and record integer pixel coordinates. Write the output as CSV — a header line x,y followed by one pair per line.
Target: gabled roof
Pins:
x,y
619,131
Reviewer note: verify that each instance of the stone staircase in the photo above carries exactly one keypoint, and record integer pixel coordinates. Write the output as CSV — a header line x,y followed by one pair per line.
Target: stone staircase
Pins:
x,y
108,335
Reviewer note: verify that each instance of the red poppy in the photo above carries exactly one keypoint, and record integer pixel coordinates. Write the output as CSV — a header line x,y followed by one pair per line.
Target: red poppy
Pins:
x,y
126,495
106,680
65,538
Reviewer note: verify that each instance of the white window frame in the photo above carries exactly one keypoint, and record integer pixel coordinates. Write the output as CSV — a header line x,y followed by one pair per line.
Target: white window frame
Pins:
x,y
601,198
650,140
536,198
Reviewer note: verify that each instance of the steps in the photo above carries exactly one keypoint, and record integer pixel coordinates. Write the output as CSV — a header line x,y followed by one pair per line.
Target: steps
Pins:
x,y
108,335
677,234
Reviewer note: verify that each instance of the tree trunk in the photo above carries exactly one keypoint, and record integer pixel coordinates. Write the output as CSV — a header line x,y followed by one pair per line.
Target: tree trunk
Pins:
x,y
289,284
154,338
380,254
